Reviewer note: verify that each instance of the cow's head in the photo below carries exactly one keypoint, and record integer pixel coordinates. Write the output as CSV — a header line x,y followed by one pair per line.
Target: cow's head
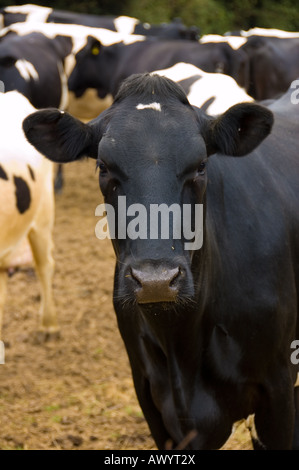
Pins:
x,y
93,68
152,147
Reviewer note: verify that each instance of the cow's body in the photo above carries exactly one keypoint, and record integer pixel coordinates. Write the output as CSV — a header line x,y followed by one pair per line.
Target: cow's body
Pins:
x,y
122,24
273,65
27,203
34,65
206,90
113,64
208,332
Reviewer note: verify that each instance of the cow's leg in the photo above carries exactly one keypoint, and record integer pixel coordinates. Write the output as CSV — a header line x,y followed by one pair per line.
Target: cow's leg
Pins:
x,y
275,416
59,181
3,285
42,248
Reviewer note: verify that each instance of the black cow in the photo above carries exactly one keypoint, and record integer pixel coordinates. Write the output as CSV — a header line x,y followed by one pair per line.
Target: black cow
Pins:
x,y
109,66
174,30
34,65
273,65
208,332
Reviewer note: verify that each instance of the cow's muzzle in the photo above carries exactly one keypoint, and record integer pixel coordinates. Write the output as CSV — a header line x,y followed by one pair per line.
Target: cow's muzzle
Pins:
x,y
156,284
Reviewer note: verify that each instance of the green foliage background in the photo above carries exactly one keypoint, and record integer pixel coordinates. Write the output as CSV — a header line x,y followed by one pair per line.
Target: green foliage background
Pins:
x,y
212,16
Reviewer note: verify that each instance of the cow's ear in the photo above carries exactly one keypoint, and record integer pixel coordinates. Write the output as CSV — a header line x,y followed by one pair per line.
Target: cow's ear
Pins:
x,y
94,46
239,130
59,136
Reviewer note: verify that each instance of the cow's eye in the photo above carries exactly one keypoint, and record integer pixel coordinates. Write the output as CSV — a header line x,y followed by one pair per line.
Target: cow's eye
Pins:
x,y
103,168
202,168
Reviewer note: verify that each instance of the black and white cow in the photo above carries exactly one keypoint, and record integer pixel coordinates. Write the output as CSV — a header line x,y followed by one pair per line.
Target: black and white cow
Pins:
x,y
208,331
105,70
34,65
122,24
26,205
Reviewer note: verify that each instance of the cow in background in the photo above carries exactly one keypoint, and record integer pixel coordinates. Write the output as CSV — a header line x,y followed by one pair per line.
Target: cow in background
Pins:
x,y
122,24
26,206
34,65
273,56
105,67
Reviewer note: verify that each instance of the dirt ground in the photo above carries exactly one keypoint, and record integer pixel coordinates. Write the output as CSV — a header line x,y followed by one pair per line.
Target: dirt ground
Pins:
x,y
75,392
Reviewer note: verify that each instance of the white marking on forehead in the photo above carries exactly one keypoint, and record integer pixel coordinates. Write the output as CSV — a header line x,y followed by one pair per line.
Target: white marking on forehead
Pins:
x,y
235,42
34,12
26,70
125,24
155,106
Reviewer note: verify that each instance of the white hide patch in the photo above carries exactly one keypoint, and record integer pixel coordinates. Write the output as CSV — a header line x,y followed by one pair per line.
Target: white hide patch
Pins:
x,y
77,33
155,106
26,70
235,42
277,33
179,71
125,24
34,12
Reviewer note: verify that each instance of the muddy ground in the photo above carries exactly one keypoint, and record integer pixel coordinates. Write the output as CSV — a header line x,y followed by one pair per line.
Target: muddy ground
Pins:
x,y
77,392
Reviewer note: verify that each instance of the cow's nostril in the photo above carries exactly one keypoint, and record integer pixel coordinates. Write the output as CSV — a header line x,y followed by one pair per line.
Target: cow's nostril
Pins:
x,y
175,278
134,275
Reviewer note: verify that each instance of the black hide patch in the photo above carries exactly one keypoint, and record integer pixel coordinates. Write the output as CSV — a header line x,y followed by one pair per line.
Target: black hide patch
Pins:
x,y
187,83
23,195
31,172
3,175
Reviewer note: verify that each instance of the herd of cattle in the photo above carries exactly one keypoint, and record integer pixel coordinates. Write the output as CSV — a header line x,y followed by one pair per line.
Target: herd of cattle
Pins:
x,y
208,333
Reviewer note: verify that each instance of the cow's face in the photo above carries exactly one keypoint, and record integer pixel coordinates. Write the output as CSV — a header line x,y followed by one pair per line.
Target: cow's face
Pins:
x,y
151,147
152,167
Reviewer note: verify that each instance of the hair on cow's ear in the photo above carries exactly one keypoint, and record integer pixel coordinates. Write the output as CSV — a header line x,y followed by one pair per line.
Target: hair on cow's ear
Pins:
x,y
239,130
59,136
